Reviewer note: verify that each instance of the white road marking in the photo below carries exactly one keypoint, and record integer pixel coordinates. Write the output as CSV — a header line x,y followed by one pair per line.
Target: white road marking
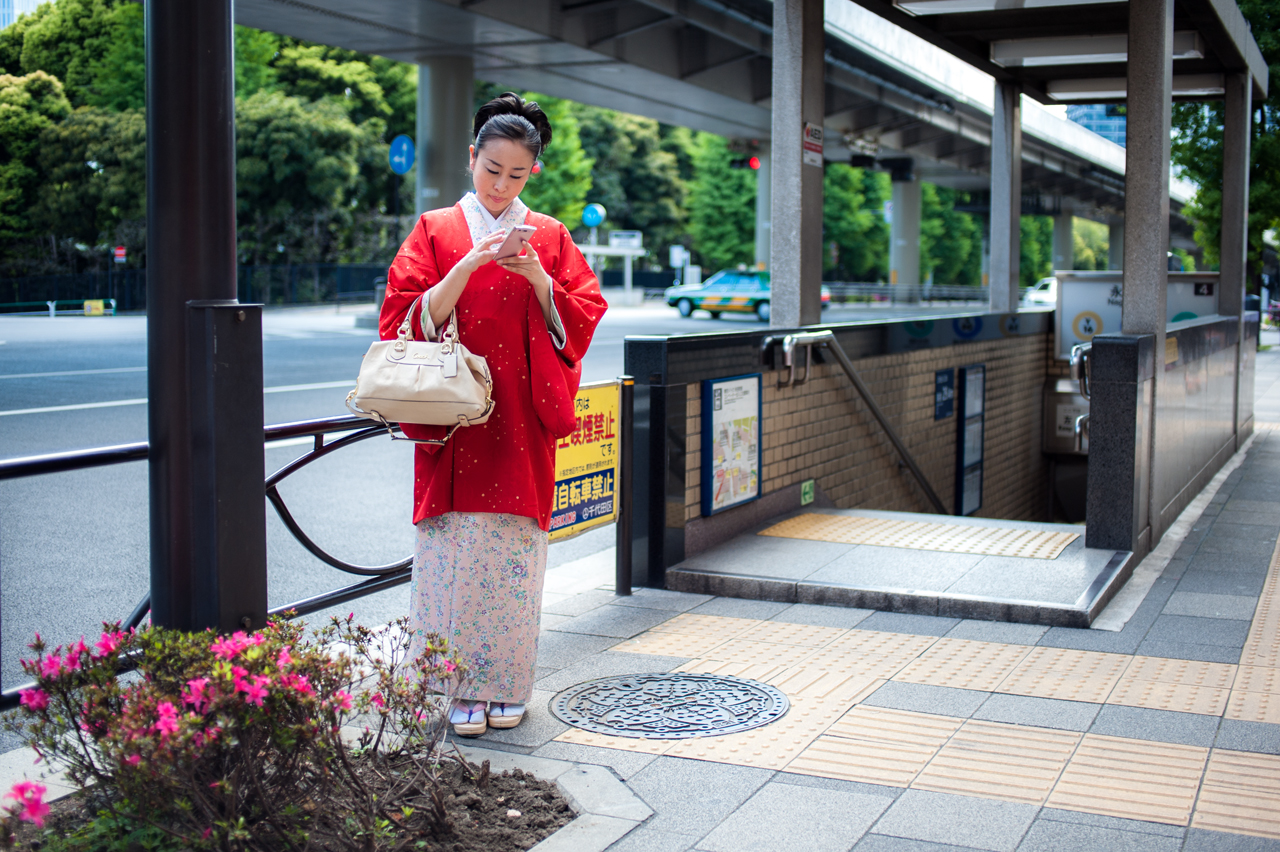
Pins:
x,y
116,403
73,372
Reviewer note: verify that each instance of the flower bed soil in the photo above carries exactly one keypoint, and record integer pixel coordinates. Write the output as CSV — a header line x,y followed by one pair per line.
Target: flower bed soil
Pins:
x,y
488,813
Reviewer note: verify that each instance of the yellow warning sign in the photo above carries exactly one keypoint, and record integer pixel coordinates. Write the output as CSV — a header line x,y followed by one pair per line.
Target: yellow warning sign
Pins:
x,y
587,464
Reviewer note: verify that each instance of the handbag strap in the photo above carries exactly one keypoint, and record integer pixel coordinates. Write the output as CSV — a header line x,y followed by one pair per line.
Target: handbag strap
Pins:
x,y
447,337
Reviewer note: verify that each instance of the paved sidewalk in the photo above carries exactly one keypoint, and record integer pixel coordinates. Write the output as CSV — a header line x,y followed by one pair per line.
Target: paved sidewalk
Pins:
x,y
913,733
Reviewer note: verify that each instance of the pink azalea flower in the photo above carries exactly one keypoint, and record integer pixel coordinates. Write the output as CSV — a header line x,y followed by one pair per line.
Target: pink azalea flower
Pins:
x,y
376,699
51,666
255,693
133,759
109,642
342,700
34,700
30,795
239,671
195,694
226,649
298,683
256,639
283,659
450,666
168,721
71,661
208,831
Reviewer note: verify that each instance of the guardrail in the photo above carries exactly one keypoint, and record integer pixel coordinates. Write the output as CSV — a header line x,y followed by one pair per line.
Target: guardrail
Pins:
x,y
354,430
844,292
69,307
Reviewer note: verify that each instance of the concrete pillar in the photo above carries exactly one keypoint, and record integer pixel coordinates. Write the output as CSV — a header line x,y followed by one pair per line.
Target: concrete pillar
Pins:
x,y
763,207
1235,194
796,180
1006,197
1063,242
1234,245
1146,189
446,95
904,234
1115,244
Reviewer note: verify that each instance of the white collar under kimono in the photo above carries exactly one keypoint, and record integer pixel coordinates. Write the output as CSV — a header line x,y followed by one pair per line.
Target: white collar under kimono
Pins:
x,y
481,223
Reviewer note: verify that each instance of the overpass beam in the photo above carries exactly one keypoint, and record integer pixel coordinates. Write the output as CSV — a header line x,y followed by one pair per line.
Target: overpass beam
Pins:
x,y
1006,197
1115,244
763,206
1063,242
446,94
904,233
796,180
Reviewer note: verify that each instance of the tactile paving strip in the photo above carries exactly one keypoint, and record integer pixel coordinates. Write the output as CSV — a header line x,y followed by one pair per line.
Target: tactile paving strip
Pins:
x,y
770,747
924,535
1186,686
806,635
706,625
577,736
1240,794
1262,648
1134,779
670,644
999,761
964,663
747,651
1067,674
875,745
1254,707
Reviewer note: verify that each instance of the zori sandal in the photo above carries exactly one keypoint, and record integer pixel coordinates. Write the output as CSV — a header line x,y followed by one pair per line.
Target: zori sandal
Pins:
x,y
503,715
468,718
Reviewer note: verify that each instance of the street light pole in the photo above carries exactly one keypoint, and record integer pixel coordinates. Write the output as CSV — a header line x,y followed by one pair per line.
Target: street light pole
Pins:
x,y
204,362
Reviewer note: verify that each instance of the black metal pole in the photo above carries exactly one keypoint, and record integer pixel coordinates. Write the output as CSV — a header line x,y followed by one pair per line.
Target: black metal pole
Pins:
x,y
191,255
622,488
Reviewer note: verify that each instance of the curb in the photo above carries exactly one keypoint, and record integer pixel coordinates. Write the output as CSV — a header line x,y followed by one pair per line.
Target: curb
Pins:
x,y
607,810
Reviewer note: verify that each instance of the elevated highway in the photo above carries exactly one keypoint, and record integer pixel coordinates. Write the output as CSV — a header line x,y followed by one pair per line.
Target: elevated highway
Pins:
x,y
705,64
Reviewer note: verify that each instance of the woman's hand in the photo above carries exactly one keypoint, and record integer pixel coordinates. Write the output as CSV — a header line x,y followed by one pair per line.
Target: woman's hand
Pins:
x,y
483,251
528,266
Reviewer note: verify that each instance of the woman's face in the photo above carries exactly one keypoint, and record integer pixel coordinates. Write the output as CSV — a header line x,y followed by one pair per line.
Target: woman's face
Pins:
x,y
499,171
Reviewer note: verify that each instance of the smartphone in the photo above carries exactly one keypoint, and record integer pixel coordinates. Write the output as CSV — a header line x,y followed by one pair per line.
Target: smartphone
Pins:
x,y
514,243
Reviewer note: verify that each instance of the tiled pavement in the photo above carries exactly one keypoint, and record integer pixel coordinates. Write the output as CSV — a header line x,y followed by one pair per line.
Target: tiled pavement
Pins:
x,y
914,733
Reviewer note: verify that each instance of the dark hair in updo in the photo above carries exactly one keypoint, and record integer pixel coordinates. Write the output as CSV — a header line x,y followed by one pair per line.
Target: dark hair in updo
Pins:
x,y
510,116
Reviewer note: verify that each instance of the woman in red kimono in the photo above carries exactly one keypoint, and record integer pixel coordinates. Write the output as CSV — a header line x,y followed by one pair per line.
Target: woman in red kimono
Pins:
x,y
482,502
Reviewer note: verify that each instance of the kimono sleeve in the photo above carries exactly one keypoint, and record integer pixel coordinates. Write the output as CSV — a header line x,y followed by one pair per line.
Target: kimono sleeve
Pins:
x,y
412,273
577,297
556,372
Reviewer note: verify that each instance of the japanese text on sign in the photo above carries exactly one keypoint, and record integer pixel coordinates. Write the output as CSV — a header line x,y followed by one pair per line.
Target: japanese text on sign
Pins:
x,y
587,463
731,442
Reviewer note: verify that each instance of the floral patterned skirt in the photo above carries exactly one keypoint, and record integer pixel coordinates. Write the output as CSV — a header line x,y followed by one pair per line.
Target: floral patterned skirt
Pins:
x,y
477,581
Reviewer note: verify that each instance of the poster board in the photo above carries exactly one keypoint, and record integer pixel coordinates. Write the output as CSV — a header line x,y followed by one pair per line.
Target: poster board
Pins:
x,y
731,456
587,464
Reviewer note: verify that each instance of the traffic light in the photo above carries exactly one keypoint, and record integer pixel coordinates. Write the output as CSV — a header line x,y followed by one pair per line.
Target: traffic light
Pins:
x,y
752,163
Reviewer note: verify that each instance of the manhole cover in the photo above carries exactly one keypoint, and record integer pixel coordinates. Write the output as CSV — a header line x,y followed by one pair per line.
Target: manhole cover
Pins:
x,y
673,706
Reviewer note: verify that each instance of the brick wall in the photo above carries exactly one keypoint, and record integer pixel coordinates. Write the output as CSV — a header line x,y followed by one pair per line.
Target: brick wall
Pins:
x,y
821,430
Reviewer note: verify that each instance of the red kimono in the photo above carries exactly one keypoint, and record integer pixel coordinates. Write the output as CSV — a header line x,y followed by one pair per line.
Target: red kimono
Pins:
x,y
506,465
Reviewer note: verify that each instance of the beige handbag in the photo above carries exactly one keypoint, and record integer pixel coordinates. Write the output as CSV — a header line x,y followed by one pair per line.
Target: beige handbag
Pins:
x,y
431,383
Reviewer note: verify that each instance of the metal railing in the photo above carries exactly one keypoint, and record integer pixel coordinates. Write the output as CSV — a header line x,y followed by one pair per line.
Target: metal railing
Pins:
x,y
845,292
355,429
825,340
380,577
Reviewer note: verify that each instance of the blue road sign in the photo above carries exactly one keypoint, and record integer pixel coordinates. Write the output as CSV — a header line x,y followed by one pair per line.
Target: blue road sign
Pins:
x,y
401,154
592,215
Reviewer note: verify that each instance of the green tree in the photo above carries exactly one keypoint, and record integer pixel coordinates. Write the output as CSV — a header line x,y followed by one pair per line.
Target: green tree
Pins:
x,y
1037,249
637,174
950,245
1197,150
118,79
255,50
69,39
1091,244
297,168
722,203
94,164
851,229
560,189
29,106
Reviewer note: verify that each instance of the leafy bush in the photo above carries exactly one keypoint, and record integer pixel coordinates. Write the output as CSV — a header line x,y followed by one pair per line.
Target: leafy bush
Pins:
x,y
237,742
